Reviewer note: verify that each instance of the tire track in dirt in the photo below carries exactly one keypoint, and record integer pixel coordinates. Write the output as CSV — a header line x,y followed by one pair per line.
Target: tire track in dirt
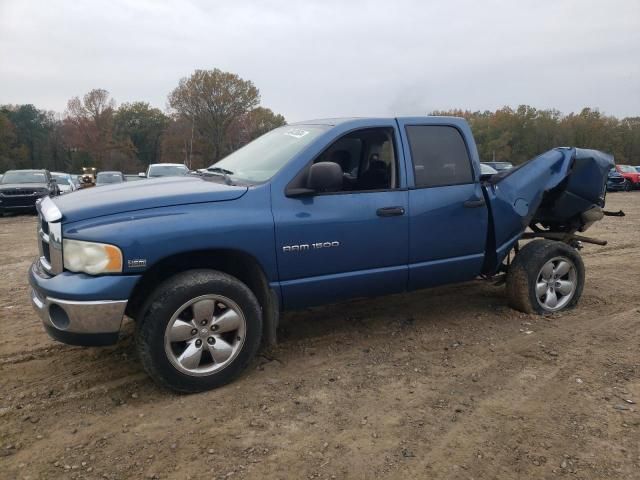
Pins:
x,y
533,389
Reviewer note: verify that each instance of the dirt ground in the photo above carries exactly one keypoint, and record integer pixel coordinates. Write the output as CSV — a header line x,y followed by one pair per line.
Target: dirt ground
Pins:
x,y
445,383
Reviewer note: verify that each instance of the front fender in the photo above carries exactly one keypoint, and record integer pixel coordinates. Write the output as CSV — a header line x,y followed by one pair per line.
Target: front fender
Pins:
x,y
148,236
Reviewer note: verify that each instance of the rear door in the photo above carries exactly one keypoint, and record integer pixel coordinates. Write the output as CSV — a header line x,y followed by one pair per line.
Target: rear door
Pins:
x,y
448,215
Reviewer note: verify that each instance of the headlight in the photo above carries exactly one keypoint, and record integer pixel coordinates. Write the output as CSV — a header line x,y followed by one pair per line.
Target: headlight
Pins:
x,y
92,258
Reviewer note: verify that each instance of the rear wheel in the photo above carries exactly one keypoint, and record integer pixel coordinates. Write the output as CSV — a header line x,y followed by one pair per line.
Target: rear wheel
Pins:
x,y
545,277
199,330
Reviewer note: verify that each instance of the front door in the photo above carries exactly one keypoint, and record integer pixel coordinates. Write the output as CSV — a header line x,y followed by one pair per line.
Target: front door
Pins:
x,y
350,243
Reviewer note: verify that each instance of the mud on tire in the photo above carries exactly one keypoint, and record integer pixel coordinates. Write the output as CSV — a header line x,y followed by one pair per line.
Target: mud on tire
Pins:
x,y
204,310
546,276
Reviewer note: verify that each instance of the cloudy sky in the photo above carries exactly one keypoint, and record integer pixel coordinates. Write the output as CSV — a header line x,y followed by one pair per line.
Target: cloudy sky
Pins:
x,y
330,57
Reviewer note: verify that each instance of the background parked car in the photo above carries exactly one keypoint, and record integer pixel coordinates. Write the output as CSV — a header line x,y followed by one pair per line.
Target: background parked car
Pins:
x,y
64,181
637,168
616,182
20,189
132,178
166,170
486,171
107,178
499,166
631,175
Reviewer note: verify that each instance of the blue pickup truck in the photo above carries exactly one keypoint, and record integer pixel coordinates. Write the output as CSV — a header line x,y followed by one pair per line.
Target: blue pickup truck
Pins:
x,y
308,214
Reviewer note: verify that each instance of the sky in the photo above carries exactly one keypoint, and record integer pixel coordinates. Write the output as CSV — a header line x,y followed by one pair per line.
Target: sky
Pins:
x,y
330,58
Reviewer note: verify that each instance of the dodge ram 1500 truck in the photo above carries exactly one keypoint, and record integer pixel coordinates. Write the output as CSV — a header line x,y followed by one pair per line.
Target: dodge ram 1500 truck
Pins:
x,y
308,214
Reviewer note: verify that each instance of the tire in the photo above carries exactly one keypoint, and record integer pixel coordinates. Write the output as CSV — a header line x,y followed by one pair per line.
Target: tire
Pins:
x,y
627,186
165,334
536,276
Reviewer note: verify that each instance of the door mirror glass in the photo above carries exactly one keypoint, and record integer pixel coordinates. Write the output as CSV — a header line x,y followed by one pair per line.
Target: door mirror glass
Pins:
x,y
325,177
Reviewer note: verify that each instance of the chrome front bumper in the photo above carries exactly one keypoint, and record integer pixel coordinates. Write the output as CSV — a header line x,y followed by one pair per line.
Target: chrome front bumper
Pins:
x,y
88,323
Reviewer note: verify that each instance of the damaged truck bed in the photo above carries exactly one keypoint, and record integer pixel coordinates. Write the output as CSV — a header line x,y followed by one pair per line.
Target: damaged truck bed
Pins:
x,y
556,194
311,213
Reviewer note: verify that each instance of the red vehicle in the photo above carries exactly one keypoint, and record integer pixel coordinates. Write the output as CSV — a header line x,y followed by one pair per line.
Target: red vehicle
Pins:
x,y
631,176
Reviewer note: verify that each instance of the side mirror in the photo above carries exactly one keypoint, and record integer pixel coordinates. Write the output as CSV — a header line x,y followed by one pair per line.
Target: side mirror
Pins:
x,y
325,177
142,175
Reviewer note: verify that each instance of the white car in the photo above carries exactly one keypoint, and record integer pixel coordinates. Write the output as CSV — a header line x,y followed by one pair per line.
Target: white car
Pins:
x,y
65,182
156,170
486,171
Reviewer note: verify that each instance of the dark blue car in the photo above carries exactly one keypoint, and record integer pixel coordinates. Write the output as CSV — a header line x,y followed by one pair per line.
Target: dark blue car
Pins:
x,y
307,214
616,182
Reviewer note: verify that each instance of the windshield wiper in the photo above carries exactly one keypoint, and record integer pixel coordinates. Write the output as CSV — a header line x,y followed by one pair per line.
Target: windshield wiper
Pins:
x,y
221,172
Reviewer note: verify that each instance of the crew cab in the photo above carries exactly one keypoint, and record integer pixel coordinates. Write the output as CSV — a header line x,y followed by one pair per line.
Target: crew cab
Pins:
x,y
308,214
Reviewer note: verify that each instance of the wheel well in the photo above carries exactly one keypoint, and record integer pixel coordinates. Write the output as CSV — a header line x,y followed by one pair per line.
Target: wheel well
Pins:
x,y
236,263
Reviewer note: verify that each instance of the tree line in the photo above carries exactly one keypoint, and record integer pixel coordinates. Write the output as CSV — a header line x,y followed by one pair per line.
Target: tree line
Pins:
x,y
516,135
211,113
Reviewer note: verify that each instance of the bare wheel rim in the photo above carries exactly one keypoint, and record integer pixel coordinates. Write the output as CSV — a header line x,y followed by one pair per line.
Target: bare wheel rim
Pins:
x,y
556,284
205,335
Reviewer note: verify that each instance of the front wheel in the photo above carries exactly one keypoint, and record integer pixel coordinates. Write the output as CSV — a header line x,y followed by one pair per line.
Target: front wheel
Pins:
x,y
199,331
545,277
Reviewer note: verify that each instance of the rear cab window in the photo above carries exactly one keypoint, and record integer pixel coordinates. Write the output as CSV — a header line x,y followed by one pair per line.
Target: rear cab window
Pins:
x,y
439,156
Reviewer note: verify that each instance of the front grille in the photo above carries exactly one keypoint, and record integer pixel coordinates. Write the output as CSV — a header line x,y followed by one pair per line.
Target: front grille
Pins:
x,y
50,237
44,226
616,180
15,201
46,253
43,243
19,192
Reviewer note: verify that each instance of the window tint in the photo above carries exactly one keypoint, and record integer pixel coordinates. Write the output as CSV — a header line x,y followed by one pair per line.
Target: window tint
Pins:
x,y
439,156
367,159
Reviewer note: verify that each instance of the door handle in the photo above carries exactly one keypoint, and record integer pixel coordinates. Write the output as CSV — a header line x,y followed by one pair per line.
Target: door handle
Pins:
x,y
474,203
390,211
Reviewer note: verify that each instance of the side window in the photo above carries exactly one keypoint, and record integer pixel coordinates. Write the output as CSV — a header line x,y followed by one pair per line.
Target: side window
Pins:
x,y
367,158
439,156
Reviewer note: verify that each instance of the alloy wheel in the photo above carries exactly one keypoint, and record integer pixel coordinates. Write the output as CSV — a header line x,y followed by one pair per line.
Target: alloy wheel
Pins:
x,y
205,335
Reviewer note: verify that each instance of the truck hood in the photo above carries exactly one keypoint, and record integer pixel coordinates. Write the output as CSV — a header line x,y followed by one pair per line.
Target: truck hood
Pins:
x,y
125,197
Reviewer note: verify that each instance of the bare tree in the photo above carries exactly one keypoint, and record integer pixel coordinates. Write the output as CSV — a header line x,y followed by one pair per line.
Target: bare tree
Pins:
x,y
212,100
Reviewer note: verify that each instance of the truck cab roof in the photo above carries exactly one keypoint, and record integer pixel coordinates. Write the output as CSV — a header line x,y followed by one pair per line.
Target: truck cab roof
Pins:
x,y
364,121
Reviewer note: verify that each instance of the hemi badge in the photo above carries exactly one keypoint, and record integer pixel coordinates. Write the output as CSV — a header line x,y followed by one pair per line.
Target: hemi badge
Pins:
x,y
137,263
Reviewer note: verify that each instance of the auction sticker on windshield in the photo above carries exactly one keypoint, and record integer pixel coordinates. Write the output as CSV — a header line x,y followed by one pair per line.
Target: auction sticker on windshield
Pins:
x,y
296,132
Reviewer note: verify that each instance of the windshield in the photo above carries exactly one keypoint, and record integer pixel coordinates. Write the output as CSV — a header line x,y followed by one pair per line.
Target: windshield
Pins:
x,y
107,177
24,177
261,159
61,179
167,171
627,169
